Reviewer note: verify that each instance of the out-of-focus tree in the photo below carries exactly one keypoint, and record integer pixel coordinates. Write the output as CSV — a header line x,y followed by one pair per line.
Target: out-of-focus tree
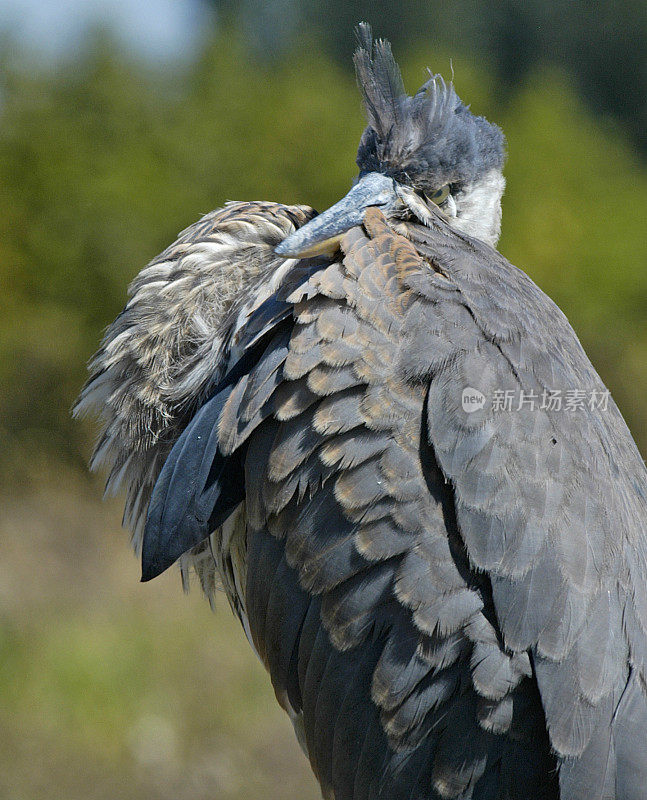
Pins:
x,y
602,45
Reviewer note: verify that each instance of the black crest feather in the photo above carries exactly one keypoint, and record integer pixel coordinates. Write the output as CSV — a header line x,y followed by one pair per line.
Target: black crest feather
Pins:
x,y
426,140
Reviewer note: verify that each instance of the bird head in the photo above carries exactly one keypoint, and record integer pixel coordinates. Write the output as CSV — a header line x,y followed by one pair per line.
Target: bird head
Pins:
x,y
417,151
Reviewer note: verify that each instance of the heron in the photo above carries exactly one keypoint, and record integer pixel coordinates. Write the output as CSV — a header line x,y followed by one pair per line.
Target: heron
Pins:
x,y
349,422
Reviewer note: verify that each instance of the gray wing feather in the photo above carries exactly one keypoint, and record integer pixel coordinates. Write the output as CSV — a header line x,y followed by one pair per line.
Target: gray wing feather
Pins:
x,y
343,485
546,501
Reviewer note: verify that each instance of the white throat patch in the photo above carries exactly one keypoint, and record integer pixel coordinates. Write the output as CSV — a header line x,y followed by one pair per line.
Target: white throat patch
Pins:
x,y
476,210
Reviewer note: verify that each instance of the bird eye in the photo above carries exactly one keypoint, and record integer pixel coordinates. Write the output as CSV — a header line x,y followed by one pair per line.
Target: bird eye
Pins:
x,y
440,196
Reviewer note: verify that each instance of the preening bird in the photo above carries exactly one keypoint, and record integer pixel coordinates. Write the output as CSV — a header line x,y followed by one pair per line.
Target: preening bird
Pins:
x,y
350,422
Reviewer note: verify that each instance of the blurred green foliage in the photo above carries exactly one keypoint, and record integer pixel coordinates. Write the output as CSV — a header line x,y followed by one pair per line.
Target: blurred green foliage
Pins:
x,y
102,162
601,45
111,689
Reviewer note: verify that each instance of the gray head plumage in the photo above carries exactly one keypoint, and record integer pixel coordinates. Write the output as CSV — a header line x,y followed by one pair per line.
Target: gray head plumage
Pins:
x,y
427,140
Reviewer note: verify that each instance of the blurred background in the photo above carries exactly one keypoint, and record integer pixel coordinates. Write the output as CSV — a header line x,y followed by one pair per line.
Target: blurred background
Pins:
x,y
122,122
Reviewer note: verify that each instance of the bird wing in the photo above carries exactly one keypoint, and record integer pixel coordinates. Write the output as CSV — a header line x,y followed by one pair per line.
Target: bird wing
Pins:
x,y
449,604
549,499
162,355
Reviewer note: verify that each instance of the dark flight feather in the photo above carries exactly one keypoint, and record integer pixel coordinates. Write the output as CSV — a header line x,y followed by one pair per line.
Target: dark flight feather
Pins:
x,y
195,478
199,485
